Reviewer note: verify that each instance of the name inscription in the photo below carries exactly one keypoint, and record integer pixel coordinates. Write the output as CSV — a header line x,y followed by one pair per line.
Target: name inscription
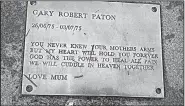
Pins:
x,y
74,15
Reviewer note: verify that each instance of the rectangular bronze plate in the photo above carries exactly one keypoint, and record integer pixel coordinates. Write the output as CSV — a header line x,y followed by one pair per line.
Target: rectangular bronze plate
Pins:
x,y
93,48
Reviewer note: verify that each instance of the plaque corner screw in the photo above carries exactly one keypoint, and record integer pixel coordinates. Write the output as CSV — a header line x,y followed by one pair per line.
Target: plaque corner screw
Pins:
x,y
158,90
33,2
154,9
29,88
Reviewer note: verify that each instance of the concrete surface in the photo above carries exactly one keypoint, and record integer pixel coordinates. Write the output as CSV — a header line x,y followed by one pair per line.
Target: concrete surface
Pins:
x,y
13,19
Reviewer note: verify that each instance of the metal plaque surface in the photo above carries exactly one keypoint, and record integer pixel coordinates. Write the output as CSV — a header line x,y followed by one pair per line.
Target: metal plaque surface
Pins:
x,y
93,48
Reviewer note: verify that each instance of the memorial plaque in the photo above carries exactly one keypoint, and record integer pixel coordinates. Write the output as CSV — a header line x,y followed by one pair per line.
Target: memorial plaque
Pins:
x,y
93,48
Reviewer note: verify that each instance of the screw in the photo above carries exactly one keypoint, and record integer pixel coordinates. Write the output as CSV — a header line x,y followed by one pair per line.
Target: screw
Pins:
x,y
158,90
33,2
154,9
29,88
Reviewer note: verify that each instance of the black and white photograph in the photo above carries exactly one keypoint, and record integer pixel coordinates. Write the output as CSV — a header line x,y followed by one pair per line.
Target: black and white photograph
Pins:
x,y
92,53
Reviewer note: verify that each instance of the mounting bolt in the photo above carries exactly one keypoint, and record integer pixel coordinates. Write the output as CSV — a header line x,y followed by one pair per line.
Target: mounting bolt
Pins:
x,y
158,90
29,88
33,2
154,9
